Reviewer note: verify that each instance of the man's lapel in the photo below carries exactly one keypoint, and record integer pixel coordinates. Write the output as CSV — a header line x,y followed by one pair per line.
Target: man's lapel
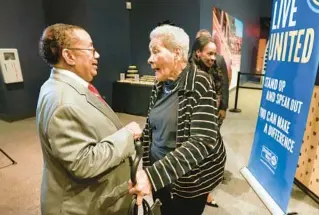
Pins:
x,y
104,108
90,97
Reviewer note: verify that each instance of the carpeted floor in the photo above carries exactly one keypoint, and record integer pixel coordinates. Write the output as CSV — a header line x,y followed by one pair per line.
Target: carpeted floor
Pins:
x,y
20,184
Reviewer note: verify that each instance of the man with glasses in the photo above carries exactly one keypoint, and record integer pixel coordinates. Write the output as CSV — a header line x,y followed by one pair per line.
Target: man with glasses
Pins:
x,y
85,147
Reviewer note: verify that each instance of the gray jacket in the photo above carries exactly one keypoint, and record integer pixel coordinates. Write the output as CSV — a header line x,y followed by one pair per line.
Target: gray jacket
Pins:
x,y
85,151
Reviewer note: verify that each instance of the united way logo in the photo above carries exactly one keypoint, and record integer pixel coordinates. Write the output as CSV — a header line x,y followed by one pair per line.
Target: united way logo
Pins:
x,y
314,5
269,158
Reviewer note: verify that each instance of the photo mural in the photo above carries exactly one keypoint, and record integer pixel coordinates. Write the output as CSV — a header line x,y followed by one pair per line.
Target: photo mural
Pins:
x,y
227,33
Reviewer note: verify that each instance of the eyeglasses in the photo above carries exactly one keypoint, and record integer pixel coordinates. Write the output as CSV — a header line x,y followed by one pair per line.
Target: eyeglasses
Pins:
x,y
93,50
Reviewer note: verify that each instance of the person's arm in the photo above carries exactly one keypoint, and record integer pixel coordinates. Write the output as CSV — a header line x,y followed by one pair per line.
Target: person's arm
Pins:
x,y
225,86
74,143
201,143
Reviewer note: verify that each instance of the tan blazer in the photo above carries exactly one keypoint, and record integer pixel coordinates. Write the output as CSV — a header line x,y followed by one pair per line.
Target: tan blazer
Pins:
x,y
85,151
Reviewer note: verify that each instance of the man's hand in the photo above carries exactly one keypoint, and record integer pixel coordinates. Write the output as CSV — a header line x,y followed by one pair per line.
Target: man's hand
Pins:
x,y
143,186
135,129
222,114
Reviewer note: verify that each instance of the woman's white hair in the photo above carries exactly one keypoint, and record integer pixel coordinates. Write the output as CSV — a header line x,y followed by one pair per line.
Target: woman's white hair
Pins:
x,y
172,37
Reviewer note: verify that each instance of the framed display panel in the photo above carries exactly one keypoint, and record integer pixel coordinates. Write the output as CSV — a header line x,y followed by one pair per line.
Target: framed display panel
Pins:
x,y
10,66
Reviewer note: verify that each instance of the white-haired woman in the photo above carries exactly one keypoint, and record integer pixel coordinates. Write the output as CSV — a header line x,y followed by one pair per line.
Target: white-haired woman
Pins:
x,y
184,156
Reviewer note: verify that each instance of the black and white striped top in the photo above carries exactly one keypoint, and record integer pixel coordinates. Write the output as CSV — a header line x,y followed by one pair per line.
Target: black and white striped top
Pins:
x,y
196,166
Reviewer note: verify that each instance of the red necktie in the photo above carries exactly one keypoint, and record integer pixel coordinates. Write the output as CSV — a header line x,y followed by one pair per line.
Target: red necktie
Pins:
x,y
96,92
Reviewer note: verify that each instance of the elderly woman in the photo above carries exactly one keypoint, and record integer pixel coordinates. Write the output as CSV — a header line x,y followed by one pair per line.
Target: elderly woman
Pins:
x,y
184,156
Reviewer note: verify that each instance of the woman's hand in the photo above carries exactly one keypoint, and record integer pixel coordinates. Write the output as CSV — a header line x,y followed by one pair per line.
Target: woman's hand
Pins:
x,y
143,186
135,129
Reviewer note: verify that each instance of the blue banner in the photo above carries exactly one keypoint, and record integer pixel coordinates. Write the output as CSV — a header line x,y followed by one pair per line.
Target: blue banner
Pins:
x,y
293,55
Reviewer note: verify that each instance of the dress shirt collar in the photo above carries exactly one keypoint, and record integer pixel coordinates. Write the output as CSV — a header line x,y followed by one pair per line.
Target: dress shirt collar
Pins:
x,y
71,75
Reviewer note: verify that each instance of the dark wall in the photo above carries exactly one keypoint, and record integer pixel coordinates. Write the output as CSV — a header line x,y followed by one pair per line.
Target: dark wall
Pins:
x,y
249,12
120,36
107,21
265,8
69,12
21,24
145,15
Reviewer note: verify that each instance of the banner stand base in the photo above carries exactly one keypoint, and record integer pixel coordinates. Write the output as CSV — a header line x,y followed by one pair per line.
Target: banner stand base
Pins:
x,y
261,192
